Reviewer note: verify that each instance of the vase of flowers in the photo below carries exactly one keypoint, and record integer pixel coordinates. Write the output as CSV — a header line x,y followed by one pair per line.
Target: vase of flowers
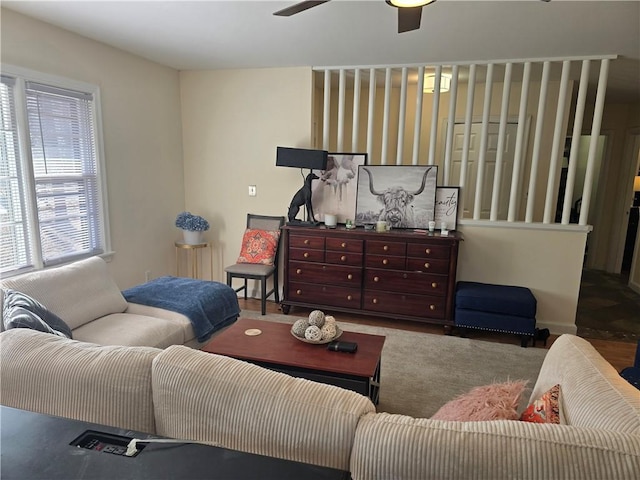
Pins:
x,y
192,227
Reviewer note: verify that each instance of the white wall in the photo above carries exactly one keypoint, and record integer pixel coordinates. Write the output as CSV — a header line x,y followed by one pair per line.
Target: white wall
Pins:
x,y
142,136
233,120
547,259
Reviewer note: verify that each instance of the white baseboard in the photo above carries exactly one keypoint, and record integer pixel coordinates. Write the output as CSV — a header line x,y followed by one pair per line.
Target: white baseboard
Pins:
x,y
635,287
558,328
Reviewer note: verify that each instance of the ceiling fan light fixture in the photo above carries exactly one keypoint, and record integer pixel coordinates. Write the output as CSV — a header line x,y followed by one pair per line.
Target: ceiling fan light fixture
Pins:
x,y
430,82
409,3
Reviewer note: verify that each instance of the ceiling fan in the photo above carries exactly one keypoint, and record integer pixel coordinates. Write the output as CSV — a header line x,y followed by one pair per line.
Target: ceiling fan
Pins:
x,y
409,11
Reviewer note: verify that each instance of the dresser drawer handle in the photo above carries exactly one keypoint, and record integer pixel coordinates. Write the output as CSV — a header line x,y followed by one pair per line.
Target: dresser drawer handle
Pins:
x,y
298,292
405,276
299,271
385,248
349,277
434,285
306,255
306,241
385,261
343,244
432,307
376,279
427,251
343,258
374,301
427,265
349,297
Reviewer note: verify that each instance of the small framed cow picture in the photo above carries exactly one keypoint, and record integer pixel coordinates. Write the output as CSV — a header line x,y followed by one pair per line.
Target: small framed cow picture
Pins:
x,y
402,195
334,192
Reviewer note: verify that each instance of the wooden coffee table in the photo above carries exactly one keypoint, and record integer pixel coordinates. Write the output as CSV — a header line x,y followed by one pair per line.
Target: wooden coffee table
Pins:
x,y
275,348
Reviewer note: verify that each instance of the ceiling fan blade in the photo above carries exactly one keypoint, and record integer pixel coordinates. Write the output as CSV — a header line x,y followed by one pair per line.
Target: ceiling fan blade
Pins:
x,y
409,19
299,7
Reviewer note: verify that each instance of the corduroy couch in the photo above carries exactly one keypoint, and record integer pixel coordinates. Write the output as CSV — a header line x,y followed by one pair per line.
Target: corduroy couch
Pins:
x,y
188,394
88,300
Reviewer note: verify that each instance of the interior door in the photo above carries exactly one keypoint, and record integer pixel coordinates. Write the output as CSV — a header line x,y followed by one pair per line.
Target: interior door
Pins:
x,y
467,194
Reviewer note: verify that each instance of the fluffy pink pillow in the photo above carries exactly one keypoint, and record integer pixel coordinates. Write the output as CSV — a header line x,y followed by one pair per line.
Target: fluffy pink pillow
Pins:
x,y
498,401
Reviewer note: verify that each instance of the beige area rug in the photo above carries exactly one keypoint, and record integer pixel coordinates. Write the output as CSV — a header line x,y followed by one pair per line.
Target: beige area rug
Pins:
x,y
420,372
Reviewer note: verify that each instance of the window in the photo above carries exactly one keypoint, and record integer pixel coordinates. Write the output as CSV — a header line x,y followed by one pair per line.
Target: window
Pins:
x,y
51,194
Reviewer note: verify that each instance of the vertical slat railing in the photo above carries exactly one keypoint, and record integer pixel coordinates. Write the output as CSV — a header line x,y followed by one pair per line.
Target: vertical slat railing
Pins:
x,y
371,116
402,116
558,142
577,130
433,140
468,123
486,112
396,99
385,117
453,96
502,133
417,129
341,107
593,142
537,141
326,119
514,193
355,130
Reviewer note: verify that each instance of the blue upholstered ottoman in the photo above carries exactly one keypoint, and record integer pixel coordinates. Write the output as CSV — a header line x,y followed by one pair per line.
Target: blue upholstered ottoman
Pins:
x,y
499,308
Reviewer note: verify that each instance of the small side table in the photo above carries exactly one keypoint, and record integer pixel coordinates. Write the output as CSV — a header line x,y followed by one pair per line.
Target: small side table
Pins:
x,y
192,251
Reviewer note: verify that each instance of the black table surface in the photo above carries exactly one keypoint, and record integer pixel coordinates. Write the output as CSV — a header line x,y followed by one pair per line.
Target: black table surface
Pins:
x,y
37,446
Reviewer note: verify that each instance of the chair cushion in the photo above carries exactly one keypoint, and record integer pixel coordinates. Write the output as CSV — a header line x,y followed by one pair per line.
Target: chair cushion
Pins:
x,y
19,310
259,246
506,299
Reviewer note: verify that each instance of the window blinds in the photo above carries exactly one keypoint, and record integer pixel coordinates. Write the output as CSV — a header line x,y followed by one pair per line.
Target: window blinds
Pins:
x,y
15,251
63,154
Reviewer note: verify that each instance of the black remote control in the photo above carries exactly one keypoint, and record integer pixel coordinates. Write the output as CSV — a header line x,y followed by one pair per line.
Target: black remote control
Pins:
x,y
337,346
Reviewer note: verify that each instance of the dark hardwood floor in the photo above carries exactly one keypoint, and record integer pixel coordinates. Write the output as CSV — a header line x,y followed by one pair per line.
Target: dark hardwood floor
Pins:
x,y
619,354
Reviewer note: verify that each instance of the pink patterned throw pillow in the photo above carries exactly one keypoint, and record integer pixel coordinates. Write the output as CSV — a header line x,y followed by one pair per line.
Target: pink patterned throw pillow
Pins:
x,y
498,401
259,246
545,409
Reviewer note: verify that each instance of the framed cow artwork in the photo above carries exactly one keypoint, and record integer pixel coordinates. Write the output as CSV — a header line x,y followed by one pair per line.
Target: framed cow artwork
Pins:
x,y
334,192
402,195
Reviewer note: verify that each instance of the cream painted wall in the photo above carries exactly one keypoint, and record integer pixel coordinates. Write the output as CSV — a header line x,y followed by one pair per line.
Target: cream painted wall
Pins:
x,y
542,258
142,137
233,120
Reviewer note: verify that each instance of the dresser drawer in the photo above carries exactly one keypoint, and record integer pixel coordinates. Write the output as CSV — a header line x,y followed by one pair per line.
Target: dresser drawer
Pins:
x,y
306,254
380,247
344,258
344,245
324,295
424,250
301,241
404,304
385,261
319,273
409,282
428,265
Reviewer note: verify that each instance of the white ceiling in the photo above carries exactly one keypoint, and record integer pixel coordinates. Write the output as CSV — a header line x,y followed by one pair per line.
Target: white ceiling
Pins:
x,y
195,35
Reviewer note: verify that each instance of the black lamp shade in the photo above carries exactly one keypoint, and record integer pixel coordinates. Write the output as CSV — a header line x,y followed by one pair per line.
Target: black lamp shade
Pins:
x,y
301,158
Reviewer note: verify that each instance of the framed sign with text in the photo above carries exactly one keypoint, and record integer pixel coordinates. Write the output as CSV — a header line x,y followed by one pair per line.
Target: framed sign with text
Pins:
x,y
446,209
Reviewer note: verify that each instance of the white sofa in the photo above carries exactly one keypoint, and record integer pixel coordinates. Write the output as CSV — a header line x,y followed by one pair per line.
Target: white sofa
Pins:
x,y
86,297
189,394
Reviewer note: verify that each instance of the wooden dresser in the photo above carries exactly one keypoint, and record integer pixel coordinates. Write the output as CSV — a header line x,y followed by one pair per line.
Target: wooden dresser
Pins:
x,y
399,274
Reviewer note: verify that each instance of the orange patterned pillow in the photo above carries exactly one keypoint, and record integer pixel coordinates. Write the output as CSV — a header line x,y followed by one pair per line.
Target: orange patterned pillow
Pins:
x,y
546,409
259,246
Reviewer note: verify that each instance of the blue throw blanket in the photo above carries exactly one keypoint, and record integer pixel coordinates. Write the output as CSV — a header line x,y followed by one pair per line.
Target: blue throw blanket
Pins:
x,y
209,305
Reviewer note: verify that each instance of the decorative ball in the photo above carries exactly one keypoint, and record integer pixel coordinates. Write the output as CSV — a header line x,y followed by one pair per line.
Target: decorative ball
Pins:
x,y
316,318
299,327
329,319
313,333
328,331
